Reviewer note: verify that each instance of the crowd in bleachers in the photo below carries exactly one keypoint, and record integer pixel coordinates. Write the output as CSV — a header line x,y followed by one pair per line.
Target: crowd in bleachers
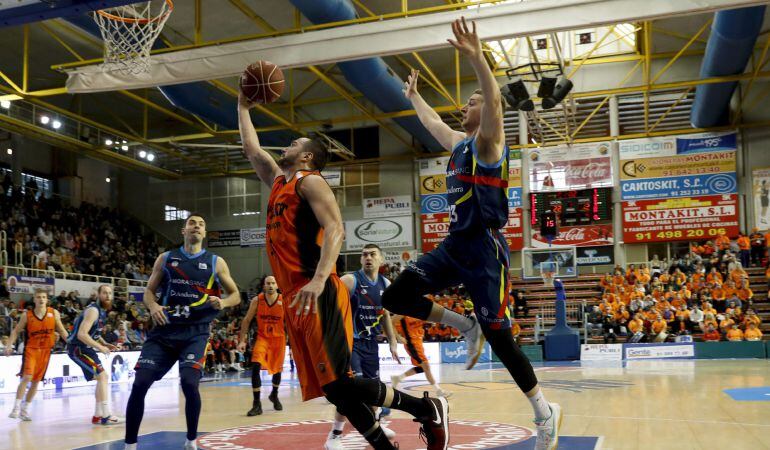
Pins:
x,y
86,239
705,292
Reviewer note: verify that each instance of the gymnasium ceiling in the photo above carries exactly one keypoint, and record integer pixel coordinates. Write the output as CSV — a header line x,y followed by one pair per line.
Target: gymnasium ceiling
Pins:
x,y
147,121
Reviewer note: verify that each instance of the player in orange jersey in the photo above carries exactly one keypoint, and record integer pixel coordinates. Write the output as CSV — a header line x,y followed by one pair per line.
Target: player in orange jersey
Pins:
x,y
41,325
304,237
270,342
412,331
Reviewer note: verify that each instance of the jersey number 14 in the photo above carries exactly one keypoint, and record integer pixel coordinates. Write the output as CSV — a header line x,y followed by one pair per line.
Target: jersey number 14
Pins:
x,y
181,311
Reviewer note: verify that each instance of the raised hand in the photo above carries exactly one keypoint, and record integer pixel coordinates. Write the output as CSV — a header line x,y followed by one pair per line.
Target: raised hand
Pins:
x,y
410,86
466,41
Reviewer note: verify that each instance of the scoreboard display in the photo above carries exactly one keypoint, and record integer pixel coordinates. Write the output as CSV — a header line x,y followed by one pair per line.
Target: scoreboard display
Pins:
x,y
581,207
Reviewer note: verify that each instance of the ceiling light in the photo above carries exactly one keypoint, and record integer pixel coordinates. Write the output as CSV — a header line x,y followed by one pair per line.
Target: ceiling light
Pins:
x,y
150,157
44,120
5,104
107,179
124,147
10,151
108,142
517,96
56,124
142,154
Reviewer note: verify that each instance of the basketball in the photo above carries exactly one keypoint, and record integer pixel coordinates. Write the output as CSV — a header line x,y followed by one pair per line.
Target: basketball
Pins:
x,y
262,82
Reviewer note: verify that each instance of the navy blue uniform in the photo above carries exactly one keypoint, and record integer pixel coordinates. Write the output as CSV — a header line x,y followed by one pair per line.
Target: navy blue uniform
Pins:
x,y
366,305
83,355
475,253
188,281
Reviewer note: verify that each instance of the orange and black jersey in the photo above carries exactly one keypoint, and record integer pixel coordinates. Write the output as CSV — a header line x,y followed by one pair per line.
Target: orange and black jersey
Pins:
x,y
270,317
294,236
40,331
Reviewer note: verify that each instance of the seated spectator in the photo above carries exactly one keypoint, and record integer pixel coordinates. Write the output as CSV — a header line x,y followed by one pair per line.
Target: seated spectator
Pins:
x,y
659,328
696,319
636,327
4,343
711,334
734,333
751,317
714,277
744,292
725,323
595,321
738,274
682,320
753,333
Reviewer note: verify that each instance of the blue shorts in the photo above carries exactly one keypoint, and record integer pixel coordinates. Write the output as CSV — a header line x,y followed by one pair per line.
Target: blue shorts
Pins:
x,y
478,261
171,343
87,359
365,360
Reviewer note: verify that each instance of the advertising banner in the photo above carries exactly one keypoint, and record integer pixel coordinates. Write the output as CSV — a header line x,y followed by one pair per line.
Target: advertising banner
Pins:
x,y
678,145
685,186
514,169
514,230
432,166
400,205
595,256
432,353
760,186
579,236
135,294
62,372
659,351
456,352
678,166
19,284
333,176
601,352
514,197
386,233
224,238
571,167
433,204
695,218
432,184
435,227
84,289
253,237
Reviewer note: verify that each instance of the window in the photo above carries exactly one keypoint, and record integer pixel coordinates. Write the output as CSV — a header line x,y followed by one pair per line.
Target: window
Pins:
x,y
174,213
359,181
44,185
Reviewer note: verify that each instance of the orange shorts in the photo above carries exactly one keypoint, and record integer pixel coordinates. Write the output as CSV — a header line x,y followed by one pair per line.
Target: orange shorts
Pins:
x,y
415,350
35,362
321,343
269,352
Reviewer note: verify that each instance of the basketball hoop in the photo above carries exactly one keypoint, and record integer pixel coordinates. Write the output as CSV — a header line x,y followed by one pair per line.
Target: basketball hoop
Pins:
x,y
548,278
129,32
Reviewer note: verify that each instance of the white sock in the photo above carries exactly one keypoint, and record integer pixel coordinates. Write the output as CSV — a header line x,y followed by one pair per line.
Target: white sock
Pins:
x,y
24,405
540,406
454,320
17,403
338,426
106,409
98,410
437,386
190,443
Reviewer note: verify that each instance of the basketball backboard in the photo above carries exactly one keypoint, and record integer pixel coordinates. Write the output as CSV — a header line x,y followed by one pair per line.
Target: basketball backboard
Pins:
x,y
562,260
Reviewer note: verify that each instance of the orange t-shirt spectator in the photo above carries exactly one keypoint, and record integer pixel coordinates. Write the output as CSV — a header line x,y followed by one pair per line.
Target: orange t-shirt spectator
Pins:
x,y
744,243
753,333
722,242
735,334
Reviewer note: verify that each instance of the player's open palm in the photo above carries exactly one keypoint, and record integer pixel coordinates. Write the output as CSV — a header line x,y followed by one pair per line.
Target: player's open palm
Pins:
x,y
410,86
466,41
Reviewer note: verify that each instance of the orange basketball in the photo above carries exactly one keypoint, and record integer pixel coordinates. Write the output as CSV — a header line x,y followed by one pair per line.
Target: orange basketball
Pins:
x,y
262,82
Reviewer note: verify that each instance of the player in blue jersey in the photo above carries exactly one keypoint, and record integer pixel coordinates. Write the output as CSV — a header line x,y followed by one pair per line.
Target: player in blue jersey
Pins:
x,y
83,343
183,298
366,287
475,253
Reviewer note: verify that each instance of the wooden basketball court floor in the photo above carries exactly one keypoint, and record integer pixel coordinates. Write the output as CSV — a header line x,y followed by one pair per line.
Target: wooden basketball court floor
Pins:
x,y
674,404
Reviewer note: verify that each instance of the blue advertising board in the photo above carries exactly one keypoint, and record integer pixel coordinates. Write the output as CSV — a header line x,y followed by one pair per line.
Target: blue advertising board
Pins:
x,y
684,186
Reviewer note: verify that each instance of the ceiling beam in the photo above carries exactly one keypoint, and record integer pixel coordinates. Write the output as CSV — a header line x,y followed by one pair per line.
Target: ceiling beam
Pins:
x,y
389,37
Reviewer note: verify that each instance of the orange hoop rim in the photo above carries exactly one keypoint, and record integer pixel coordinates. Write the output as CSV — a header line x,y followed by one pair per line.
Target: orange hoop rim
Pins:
x,y
107,15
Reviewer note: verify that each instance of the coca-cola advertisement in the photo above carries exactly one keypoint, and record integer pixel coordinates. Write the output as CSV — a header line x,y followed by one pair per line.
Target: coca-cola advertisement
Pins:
x,y
435,227
570,167
579,236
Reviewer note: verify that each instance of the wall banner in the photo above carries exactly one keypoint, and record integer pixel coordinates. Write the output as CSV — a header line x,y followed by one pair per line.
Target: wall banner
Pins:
x,y
760,187
224,238
678,145
595,256
387,233
253,237
572,167
18,284
435,227
689,218
399,205
685,186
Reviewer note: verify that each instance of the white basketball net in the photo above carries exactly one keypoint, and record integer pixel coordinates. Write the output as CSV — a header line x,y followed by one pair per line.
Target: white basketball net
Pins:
x,y
129,32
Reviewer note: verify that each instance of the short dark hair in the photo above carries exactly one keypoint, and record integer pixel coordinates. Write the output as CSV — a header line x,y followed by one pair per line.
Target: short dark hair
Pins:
x,y
502,101
194,214
370,246
320,153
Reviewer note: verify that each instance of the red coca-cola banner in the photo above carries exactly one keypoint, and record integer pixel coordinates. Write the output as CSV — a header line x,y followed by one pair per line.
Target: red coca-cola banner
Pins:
x,y
680,219
579,236
571,174
435,227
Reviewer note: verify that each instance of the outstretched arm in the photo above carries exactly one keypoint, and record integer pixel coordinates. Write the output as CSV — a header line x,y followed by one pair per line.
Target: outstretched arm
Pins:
x,y
445,135
264,164
491,137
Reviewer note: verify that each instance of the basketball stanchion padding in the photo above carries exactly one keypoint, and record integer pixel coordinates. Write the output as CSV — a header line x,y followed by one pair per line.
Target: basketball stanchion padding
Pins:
x,y
562,343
